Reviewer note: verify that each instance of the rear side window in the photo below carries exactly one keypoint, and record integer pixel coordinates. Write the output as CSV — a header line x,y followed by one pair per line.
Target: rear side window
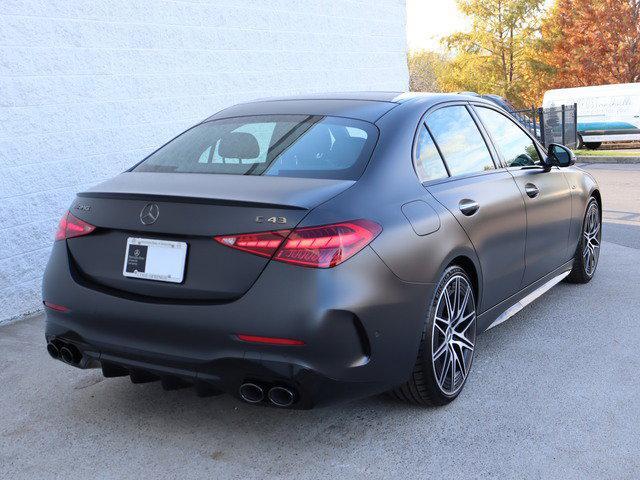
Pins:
x,y
516,147
277,145
459,141
429,165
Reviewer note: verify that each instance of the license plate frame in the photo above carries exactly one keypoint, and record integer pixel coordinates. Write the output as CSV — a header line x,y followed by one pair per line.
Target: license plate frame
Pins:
x,y
154,259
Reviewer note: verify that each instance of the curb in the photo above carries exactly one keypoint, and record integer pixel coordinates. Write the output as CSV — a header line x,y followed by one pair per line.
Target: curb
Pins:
x,y
594,159
24,316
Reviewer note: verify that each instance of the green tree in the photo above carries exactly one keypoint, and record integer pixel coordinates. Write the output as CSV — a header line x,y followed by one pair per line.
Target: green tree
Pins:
x,y
495,56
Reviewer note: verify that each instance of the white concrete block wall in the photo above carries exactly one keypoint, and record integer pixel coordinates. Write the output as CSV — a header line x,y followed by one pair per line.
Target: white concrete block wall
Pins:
x,y
87,88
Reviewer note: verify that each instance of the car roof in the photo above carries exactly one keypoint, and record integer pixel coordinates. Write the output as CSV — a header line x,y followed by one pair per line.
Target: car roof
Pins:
x,y
368,106
372,96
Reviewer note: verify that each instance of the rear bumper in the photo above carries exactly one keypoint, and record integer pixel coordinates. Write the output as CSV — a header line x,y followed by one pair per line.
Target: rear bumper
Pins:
x,y
360,324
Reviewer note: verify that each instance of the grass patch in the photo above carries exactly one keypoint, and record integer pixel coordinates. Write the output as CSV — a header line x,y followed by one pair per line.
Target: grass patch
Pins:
x,y
606,153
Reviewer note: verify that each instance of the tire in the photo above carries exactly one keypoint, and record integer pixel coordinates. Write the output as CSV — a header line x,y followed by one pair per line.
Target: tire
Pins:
x,y
592,145
579,142
432,382
585,259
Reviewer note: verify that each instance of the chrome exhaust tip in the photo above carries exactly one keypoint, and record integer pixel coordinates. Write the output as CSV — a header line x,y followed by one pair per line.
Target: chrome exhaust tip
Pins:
x,y
70,354
251,393
53,350
66,354
281,397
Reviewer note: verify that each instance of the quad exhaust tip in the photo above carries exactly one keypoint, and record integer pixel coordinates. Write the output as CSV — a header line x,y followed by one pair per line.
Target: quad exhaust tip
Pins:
x,y
278,395
251,393
64,351
53,350
281,396
70,354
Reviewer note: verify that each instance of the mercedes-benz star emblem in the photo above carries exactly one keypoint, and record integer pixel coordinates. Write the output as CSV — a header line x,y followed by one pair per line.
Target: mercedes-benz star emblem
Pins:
x,y
149,214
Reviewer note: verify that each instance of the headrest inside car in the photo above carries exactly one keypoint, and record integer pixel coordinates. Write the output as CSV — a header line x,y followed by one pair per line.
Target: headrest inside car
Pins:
x,y
238,145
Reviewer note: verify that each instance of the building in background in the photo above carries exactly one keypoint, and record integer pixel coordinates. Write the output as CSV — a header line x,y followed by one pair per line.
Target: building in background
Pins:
x,y
89,88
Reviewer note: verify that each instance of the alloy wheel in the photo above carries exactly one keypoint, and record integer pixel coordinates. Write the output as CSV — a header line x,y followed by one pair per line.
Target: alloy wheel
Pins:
x,y
454,335
591,244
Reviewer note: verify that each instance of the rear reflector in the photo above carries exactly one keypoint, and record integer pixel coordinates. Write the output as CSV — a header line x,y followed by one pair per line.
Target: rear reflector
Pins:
x,y
323,246
269,340
56,307
71,226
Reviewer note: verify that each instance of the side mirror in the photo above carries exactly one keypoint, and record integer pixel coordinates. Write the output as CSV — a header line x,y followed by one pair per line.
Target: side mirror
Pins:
x,y
560,156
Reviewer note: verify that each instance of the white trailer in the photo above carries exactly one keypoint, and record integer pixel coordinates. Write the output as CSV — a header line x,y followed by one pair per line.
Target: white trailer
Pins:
x,y
606,113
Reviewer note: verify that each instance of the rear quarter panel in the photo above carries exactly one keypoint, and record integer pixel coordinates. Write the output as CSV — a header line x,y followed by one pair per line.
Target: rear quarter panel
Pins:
x,y
414,253
583,187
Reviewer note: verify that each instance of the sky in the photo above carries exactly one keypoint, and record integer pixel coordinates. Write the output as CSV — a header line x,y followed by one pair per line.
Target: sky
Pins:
x,y
430,20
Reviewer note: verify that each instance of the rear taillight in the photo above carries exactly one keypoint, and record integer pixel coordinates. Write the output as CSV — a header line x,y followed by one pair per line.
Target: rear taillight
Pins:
x,y
324,246
328,245
71,226
264,244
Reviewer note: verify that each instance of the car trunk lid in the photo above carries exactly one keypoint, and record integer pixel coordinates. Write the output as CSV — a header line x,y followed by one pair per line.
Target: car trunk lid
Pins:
x,y
189,208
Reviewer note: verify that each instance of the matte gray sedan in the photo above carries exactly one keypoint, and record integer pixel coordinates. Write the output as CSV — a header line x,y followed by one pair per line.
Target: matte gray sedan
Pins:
x,y
298,251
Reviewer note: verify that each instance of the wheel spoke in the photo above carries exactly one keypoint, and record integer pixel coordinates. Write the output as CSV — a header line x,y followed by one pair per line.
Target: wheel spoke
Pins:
x,y
445,368
456,299
450,312
463,325
441,324
472,320
453,370
440,350
463,341
464,303
462,363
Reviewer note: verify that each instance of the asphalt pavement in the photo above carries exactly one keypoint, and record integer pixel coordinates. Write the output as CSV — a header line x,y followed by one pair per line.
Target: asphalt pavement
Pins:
x,y
620,185
553,393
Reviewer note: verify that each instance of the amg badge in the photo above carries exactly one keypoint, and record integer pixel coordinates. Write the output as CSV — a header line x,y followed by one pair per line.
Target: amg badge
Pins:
x,y
261,219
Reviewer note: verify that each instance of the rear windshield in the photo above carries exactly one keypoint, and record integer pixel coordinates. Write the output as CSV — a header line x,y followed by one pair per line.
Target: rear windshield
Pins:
x,y
277,145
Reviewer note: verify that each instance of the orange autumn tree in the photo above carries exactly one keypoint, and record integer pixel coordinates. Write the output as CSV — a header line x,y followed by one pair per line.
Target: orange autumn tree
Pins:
x,y
591,43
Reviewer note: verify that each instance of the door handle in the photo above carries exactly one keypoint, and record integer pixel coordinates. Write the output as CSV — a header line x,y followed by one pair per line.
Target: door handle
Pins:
x,y
468,207
531,190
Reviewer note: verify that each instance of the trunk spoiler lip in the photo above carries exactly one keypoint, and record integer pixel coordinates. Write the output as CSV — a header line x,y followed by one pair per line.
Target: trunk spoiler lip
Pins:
x,y
187,199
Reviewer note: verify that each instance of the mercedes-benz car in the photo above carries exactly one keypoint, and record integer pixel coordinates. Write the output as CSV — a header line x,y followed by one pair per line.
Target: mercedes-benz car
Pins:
x,y
300,251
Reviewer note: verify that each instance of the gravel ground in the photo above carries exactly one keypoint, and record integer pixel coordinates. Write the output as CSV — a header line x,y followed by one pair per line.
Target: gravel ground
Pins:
x,y
554,393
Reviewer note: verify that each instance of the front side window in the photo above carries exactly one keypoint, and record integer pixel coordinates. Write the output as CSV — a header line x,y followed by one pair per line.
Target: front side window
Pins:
x,y
429,164
459,141
308,146
516,147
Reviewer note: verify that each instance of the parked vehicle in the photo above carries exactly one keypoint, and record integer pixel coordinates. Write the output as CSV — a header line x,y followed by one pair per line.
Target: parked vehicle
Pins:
x,y
606,113
300,251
